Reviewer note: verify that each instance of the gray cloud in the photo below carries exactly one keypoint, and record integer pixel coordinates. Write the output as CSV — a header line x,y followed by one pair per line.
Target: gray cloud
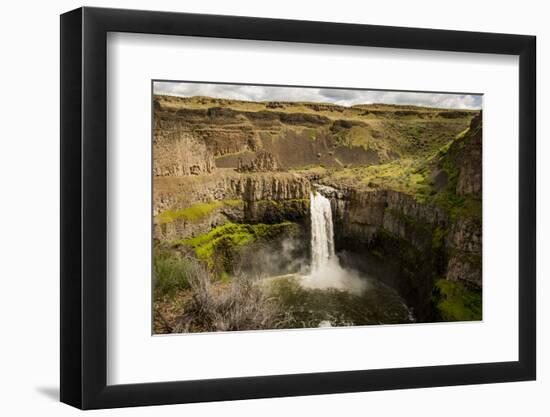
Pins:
x,y
331,95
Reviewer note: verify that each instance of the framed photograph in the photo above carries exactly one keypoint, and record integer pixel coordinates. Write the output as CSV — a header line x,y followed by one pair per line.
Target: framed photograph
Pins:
x,y
257,208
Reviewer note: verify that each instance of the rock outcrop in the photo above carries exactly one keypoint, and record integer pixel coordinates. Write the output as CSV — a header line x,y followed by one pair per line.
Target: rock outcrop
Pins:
x,y
177,152
227,196
360,214
470,181
264,162
464,249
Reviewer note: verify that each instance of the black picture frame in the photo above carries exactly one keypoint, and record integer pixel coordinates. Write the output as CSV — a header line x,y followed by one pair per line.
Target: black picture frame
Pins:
x,y
84,207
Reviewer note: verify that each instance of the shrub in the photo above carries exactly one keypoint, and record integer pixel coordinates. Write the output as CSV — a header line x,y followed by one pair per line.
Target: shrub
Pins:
x,y
240,305
170,272
458,303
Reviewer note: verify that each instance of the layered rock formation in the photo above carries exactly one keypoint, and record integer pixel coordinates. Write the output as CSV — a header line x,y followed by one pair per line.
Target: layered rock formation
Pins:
x,y
467,153
264,162
227,197
177,152
464,238
302,134
464,250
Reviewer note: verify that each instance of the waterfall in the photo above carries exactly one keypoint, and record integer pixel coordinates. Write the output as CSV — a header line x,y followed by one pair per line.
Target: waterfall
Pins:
x,y
326,271
322,234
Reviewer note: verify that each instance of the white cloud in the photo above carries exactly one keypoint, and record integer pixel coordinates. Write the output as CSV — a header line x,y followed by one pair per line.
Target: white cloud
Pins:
x,y
344,97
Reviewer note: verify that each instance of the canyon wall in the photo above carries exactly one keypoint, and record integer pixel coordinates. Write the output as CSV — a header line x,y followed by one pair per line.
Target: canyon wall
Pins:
x,y
414,243
222,133
189,206
177,152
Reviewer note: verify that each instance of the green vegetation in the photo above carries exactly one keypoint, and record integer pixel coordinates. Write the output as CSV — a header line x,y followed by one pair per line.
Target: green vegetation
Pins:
x,y
455,302
281,203
170,271
445,148
463,133
218,246
416,131
310,169
464,207
240,304
438,237
356,136
455,205
312,133
414,176
401,175
195,212
447,198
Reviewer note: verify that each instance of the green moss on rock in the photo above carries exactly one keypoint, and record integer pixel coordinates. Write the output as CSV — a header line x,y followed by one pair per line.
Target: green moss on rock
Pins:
x,y
195,212
456,302
218,247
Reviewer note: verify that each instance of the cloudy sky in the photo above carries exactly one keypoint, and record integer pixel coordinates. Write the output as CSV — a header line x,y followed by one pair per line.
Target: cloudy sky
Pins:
x,y
330,95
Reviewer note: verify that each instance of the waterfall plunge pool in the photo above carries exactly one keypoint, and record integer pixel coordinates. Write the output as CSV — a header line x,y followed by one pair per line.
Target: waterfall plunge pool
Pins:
x,y
308,307
329,295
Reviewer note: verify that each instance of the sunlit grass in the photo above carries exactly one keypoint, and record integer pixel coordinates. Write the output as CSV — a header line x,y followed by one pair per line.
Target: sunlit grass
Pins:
x,y
195,212
231,235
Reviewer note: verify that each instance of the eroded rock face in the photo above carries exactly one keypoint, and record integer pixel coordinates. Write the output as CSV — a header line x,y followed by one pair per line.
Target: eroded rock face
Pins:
x,y
178,153
408,244
465,235
264,162
464,240
464,247
362,216
389,235
465,269
274,187
247,198
469,180
361,213
275,198
183,228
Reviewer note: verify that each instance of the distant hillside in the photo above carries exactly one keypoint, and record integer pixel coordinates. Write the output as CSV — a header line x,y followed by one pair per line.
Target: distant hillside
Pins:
x,y
224,133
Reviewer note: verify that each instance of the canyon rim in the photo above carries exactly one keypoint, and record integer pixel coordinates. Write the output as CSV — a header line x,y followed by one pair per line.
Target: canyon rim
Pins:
x,y
295,207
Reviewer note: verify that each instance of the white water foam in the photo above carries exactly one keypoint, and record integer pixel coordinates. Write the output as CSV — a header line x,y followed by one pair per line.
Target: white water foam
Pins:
x,y
322,231
326,271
